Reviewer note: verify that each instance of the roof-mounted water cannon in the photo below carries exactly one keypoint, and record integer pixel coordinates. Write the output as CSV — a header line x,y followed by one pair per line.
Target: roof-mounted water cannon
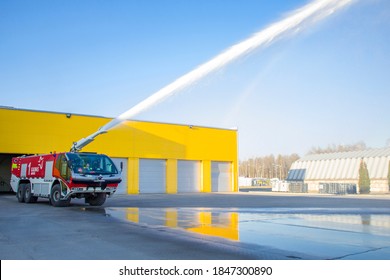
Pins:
x,y
77,146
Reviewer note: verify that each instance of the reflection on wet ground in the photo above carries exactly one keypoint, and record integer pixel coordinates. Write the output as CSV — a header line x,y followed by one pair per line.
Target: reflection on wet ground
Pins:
x,y
308,233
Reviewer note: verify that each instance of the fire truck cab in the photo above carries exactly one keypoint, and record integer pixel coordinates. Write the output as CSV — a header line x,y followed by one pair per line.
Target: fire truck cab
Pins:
x,y
63,176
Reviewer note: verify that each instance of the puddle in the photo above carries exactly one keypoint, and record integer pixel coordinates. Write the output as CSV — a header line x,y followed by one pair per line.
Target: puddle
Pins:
x,y
97,210
315,232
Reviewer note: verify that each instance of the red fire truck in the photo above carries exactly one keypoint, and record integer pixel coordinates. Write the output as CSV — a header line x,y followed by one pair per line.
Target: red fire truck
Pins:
x,y
63,176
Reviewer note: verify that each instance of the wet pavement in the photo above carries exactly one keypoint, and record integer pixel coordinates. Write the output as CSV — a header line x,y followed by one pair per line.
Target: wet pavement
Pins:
x,y
199,226
310,233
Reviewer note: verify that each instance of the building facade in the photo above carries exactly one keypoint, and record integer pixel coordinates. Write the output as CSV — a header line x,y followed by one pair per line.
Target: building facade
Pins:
x,y
157,157
322,170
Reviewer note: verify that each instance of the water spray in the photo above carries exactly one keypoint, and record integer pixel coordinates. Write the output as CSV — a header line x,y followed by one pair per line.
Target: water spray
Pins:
x,y
308,14
77,146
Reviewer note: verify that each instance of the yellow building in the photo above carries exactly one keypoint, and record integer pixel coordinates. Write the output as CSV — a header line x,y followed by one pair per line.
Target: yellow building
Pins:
x,y
157,157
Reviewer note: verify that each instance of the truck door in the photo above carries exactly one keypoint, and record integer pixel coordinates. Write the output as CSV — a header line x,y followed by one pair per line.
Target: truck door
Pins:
x,y
63,167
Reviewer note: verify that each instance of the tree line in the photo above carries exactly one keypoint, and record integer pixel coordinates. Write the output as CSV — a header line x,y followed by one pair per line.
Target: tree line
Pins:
x,y
333,148
272,166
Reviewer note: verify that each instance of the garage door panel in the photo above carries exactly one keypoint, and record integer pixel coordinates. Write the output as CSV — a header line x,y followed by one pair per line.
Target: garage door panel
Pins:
x,y
221,176
188,176
152,176
122,187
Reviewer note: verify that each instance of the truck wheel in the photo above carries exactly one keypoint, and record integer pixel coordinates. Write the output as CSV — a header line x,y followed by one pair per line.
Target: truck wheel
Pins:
x,y
28,196
55,197
20,193
96,199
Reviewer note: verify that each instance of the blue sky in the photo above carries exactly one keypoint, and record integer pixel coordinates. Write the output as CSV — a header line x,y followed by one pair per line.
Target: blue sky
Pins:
x,y
328,84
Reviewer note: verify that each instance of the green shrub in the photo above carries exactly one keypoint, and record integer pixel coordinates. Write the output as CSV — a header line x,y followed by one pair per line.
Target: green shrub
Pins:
x,y
364,178
388,176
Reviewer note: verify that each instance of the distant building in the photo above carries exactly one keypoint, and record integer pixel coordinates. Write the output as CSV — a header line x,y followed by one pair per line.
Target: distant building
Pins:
x,y
336,170
253,182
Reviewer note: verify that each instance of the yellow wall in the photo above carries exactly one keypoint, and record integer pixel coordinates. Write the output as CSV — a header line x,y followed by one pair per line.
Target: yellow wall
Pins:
x,y
34,132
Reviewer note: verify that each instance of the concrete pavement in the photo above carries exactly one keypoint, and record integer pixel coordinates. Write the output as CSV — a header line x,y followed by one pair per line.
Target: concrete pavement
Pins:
x,y
199,226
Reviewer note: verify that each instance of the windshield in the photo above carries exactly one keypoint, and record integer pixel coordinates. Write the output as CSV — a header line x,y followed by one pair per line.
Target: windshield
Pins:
x,y
91,164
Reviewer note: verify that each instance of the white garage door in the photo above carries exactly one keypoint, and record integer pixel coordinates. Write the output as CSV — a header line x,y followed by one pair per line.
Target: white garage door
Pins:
x,y
122,187
152,176
188,176
221,176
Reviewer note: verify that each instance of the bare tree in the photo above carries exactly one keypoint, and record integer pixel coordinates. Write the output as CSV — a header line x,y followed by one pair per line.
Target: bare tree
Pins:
x,y
333,148
267,166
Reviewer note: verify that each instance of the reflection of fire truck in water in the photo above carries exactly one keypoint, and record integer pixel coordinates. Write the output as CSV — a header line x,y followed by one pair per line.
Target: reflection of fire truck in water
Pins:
x,y
60,177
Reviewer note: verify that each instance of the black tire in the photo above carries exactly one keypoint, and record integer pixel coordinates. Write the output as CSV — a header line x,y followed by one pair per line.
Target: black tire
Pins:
x,y
55,197
96,199
28,196
20,192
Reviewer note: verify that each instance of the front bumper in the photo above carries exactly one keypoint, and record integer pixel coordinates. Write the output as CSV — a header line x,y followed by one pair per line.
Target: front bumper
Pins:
x,y
90,190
